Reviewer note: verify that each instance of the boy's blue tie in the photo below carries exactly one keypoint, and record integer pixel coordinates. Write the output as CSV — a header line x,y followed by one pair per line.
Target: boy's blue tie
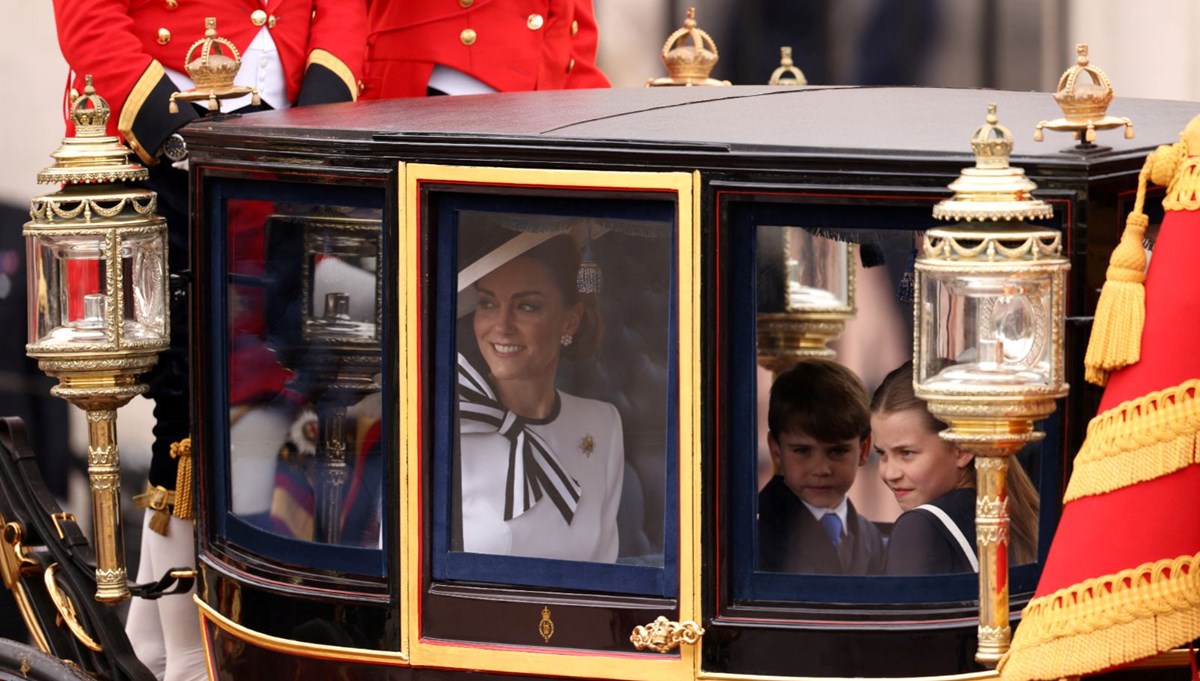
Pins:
x,y
833,528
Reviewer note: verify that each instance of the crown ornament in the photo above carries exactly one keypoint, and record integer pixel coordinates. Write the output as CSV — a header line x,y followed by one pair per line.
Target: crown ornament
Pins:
x,y
1084,93
688,64
992,190
787,73
212,71
91,155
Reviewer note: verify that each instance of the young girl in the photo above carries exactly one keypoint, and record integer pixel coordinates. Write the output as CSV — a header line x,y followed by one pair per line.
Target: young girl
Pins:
x,y
934,483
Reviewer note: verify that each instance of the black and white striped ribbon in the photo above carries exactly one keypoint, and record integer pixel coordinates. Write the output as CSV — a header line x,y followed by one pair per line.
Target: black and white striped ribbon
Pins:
x,y
533,470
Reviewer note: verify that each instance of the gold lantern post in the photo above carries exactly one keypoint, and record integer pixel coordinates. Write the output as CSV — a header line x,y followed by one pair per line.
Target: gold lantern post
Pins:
x,y
814,277
97,256
988,345
688,64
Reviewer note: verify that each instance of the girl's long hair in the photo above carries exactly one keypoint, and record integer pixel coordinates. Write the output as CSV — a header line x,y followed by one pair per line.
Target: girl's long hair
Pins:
x,y
895,394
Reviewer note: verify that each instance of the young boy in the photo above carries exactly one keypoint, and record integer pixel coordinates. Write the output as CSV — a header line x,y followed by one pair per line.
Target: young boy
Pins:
x,y
820,433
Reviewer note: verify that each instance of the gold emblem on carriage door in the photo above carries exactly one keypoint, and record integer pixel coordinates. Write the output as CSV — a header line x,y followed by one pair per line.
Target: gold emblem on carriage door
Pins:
x,y
546,626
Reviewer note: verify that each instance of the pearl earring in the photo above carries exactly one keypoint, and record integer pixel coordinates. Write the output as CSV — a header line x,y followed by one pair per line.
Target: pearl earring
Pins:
x,y
566,340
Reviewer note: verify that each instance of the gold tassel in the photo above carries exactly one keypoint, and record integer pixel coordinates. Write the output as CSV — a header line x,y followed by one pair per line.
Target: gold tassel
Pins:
x,y
1116,340
184,504
159,499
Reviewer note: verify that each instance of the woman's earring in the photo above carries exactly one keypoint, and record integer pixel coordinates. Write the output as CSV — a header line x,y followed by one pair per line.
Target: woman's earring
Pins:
x,y
566,340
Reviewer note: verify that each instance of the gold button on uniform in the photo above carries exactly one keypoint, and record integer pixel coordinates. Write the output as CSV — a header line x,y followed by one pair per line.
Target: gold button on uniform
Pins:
x,y
570,66
271,21
535,22
258,17
465,3
172,4
164,36
467,36
574,27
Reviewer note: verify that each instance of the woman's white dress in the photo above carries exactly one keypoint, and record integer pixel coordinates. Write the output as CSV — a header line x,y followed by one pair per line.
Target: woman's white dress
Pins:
x,y
587,440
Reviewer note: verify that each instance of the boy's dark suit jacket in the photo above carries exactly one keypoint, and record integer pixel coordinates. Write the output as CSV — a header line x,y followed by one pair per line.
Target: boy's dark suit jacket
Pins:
x,y
790,539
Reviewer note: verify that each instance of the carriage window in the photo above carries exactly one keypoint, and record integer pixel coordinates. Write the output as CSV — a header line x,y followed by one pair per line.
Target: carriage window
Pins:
x,y
851,487
556,465
304,352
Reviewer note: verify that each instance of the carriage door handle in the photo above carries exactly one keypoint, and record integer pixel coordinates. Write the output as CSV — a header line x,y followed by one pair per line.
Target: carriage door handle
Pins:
x,y
662,635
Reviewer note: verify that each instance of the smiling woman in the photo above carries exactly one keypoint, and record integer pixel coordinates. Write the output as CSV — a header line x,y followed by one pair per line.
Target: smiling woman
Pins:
x,y
541,469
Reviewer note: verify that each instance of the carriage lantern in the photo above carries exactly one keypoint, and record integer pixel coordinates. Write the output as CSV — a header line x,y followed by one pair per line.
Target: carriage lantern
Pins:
x,y
989,351
97,256
335,351
811,284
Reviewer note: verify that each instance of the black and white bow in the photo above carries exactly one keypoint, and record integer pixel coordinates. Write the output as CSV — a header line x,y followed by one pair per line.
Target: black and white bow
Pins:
x,y
533,470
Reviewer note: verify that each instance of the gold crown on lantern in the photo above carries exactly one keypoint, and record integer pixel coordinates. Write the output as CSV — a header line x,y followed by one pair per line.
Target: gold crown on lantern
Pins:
x,y
992,142
689,64
1084,93
212,71
91,155
89,111
992,190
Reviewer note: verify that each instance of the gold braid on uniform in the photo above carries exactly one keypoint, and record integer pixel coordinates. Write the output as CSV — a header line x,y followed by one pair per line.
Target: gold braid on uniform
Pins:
x,y
185,508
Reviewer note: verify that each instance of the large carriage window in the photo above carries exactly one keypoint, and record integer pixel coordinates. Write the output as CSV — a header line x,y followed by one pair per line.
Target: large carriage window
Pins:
x,y
304,355
563,362
852,496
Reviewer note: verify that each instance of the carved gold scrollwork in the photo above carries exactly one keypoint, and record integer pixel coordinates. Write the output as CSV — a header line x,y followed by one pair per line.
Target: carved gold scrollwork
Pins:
x,y
991,507
66,611
662,635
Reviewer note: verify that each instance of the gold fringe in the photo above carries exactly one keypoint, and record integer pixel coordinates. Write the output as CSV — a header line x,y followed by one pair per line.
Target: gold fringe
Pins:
x,y
184,505
1142,439
160,499
1107,621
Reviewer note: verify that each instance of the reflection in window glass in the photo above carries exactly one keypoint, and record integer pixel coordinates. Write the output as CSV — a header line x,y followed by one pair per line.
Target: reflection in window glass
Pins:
x,y
562,342
305,357
811,460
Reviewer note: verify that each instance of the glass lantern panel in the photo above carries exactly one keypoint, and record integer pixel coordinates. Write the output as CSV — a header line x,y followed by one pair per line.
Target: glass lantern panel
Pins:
x,y
799,269
143,265
340,265
68,300
987,332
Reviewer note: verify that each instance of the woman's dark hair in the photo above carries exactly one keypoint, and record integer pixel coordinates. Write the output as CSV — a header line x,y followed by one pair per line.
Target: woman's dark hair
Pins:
x,y
896,394
561,256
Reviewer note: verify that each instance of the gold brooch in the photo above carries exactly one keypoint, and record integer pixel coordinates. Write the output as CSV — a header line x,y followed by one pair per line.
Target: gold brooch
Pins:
x,y
587,444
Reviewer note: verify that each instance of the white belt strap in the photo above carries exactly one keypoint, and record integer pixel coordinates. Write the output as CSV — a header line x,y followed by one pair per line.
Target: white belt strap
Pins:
x,y
954,532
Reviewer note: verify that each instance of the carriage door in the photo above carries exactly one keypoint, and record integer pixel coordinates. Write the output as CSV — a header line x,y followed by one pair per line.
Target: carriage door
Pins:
x,y
550,415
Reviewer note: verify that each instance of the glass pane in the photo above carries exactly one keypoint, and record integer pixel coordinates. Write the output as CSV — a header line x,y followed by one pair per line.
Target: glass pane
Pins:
x,y
144,274
838,424
563,357
304,364
986,332
69,276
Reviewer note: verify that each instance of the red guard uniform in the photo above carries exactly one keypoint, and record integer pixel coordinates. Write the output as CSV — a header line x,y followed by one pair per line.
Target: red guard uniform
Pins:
x,y
124,45
510,45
